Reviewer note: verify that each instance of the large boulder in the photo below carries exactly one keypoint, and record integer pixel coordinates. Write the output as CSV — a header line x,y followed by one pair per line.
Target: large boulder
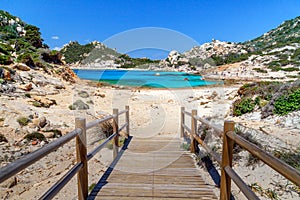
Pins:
x,y
5,74
175,60
21,66
79,105
41,81
26,87
7,88
43,102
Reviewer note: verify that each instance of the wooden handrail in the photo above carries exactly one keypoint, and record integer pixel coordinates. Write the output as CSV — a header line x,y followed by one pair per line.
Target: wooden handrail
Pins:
x,y
227,156
80,168
13,168
217,130
240,183
281,167
98,148
195,136
62,182
186,128
215,155
99,121
187,113
229,138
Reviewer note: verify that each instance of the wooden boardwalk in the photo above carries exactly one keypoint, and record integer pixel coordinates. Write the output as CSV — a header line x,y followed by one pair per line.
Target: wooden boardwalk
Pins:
x,y
155,168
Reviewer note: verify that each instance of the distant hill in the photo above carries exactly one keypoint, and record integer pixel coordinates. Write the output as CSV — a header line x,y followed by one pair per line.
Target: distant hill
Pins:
x,y
93,52
276,49
97,55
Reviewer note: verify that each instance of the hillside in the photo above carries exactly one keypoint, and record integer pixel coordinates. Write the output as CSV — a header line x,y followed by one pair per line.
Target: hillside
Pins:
x,y
22,49
88,54
97,55
22,43
276,50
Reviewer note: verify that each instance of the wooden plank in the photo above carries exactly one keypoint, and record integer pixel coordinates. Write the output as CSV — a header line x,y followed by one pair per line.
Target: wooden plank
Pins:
x,y
154,169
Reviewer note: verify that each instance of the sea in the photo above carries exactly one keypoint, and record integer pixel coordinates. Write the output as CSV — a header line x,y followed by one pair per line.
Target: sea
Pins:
x,y
142,78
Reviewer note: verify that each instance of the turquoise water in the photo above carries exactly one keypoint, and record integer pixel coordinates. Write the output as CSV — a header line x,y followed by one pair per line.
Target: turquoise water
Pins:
x,y
136,78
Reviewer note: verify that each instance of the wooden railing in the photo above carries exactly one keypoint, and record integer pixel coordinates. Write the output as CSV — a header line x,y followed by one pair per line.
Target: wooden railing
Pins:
x,y
81,167
225,161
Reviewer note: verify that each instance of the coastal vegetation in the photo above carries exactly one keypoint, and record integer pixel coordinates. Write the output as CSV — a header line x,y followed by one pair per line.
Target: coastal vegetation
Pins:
x,y
35,136
268,97
126,61
95,51
75,52
22,42
23,121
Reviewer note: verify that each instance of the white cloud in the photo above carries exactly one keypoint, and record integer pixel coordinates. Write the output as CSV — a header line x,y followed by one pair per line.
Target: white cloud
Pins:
x,y
55,37
57,48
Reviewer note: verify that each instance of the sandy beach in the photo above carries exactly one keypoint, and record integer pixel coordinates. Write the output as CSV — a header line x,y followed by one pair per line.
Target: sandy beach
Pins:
x,y
152,112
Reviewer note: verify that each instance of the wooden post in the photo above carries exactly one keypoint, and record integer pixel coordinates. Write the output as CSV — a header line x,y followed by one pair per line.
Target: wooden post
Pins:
x,y
227,154
81,155
194,143
182,122
127,120
116,130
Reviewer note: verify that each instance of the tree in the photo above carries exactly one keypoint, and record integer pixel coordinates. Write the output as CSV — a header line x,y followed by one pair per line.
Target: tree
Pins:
x,y
33,36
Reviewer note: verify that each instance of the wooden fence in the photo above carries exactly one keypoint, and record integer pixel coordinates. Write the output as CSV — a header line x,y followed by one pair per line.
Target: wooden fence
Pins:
x,y
81,167
225,160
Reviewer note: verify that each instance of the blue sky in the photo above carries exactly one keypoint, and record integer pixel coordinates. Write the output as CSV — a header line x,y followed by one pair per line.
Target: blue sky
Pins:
x,y
62,21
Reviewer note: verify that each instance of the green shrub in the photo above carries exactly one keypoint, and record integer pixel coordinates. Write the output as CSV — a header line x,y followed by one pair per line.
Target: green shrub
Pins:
x,y
284,62
185,146
27,95
243,106
35,136
290,157
296,54
74,51
5,59
5,49
260,70
56,133
91,187
193,68
90,102
37,104
288,103
71,107
128,62
107,129
23,121
290,69
230,58
33,36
